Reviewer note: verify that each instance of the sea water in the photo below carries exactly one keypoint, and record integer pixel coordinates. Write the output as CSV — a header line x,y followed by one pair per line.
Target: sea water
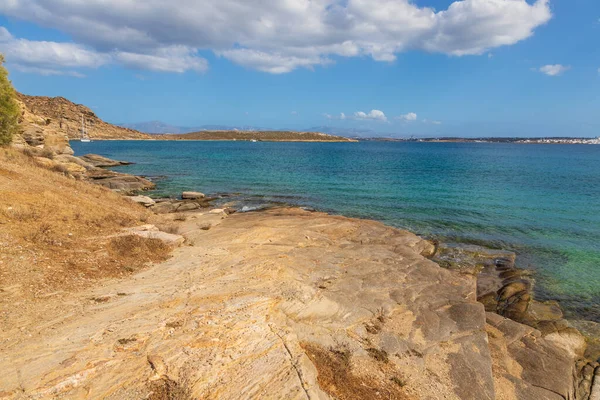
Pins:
x,y
541,201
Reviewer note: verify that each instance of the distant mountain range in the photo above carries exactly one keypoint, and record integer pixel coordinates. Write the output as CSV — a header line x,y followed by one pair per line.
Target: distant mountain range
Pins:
x,y
158,127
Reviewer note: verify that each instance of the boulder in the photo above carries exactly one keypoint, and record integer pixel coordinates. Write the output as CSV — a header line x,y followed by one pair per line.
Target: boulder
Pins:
x,y
192,195
152,232
143,200
188,206
164,207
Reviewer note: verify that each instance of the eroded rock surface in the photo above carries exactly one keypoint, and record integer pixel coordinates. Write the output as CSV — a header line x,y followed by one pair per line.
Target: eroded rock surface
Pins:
x,y
287,304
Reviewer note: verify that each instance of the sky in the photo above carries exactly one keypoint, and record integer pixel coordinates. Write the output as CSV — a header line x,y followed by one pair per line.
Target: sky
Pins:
x,y
397,68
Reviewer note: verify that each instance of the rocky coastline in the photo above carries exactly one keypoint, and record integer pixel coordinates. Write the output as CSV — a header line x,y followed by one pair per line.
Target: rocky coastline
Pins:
x,y
290,303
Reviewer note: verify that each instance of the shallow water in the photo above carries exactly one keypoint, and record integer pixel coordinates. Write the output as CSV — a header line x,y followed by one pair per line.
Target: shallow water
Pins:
x,y
542,201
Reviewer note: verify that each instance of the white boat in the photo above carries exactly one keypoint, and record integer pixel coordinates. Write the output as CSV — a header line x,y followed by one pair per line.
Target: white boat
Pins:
x,y
253,140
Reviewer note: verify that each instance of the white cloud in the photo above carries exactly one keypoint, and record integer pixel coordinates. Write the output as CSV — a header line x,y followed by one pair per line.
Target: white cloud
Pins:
x,y
47,71
411,116
342,116
554,70
170,59
270,62
48,55
374,115
278,36
56,58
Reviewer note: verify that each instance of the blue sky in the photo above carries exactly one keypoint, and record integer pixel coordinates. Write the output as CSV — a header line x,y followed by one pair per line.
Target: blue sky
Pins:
x,y
398,68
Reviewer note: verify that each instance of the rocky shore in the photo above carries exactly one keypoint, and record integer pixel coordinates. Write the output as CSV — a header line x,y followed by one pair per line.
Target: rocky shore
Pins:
x,y
282,303
288,303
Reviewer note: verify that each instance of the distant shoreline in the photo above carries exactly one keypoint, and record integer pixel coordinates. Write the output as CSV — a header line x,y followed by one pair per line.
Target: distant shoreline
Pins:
x,y
572,141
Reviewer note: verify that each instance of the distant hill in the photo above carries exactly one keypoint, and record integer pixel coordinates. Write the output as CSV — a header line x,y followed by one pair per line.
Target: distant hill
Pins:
x,y
63,115
266,136
348,132
158,127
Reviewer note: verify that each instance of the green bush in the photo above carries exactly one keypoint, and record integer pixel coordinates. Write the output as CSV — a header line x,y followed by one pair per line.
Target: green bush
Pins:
x,y
9,109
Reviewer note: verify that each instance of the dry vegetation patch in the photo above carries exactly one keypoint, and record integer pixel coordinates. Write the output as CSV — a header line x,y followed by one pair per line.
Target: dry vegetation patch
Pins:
x,y
336,378
54,231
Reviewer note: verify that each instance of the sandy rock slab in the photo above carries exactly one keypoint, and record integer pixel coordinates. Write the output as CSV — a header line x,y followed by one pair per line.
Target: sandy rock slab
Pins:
x,y
283,304
101,161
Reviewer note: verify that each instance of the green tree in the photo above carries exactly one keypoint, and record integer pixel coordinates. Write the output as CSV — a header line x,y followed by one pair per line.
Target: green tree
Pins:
x,y
9,109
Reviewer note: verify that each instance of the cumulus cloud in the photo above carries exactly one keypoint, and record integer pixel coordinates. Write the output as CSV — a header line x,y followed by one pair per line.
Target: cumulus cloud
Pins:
x,y
278,36
411,116
56,58
376,115
554,70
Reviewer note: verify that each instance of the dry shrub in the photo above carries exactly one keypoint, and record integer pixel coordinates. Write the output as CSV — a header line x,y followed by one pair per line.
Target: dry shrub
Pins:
x,y
61,169
168,389
47,153
54,230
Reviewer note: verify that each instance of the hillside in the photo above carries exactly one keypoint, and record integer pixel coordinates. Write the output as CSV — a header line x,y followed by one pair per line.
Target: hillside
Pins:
x,y
64,116
265,136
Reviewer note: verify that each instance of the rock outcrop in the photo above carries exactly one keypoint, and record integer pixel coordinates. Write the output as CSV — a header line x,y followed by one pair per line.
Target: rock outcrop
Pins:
x,y
102,162
289,304
64,116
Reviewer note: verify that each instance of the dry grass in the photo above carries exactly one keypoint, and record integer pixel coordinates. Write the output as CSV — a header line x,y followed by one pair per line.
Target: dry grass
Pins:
x,y
52,229
168,389
335,377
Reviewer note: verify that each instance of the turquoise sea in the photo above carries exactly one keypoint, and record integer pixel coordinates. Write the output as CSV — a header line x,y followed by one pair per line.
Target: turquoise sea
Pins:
x,y
541,201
